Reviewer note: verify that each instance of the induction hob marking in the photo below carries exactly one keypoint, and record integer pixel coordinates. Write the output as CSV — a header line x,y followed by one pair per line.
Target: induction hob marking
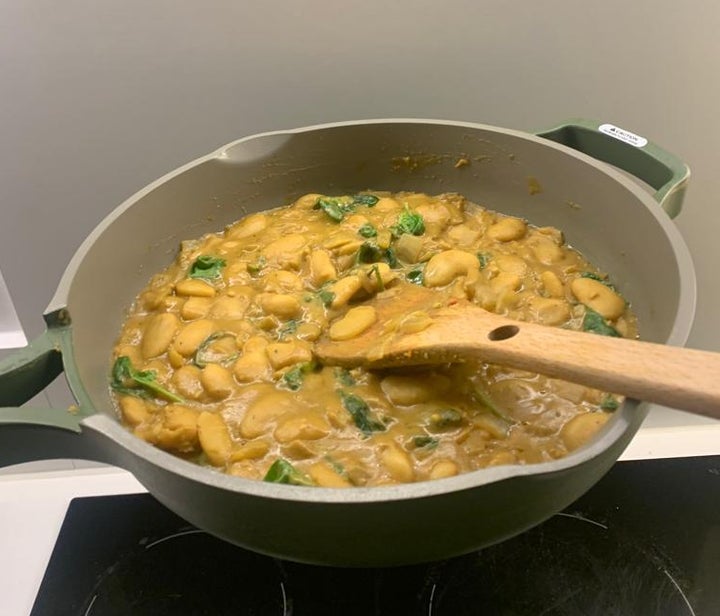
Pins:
x,y
92,602
194,531
432,597
680,590
577,516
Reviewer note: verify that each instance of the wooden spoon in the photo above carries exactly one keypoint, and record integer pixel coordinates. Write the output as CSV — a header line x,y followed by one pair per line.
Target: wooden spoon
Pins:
x,y
414,327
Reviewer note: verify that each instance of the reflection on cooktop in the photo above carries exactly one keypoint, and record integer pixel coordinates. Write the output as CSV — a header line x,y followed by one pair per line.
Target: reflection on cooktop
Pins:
x,y
644,541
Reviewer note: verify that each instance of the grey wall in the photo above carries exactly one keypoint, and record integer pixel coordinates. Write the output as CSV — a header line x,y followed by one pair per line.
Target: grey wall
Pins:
x,y
99,98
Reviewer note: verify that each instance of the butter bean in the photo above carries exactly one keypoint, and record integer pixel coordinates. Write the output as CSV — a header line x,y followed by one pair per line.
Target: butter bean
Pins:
x,y
444,267
283,354
159,333
177,429
601,298
247,226
196,308
262,413
344,290
307,202
580,429
192,335
550,311
397,463
217,381
134,410
281,305
444,468
507,229
306,427
321,267
552,285
408,390
546,251
286,251
354,323
195,288
251,450
505,281
232,308
186,380
326,476
214,438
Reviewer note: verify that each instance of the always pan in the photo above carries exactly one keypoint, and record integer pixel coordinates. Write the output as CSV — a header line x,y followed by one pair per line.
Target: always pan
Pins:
x,y
548,178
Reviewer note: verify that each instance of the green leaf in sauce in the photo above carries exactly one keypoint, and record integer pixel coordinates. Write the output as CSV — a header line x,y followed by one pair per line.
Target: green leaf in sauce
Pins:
x,y
344,377
370,252
594,322
282,471
125,379
367,230
326,297
409,222
366,200
609,403
425,441
206,355
484,258
486,400
293,378
446,418
416,276
332,208
206,266
360,412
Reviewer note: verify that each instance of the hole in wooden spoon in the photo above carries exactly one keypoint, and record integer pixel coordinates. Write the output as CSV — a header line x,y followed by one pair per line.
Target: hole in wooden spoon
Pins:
x,y
503,333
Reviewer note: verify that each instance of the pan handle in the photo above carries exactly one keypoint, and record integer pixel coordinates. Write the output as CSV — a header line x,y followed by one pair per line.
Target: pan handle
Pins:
x,y
663,171
30,433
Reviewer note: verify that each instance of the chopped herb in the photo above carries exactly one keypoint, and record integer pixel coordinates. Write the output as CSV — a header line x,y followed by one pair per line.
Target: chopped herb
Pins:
x,y
609,403
484,258
446,418
283,471
294,377
205,355
390,258
409,222
416,276
425,441
206,266
360,412
142,383
594,322
367,230
287,329
344,376
367,200
326,297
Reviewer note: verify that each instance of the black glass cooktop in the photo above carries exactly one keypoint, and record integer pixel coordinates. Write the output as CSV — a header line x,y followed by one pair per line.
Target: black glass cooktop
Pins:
x,y
643,541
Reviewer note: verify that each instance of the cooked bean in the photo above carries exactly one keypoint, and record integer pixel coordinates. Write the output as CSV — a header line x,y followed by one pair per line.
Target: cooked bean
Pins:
x,y
505,281
326,476
552,285
134,410
196,308
195,288
321,267
187,382
581,428
546,251
397,463
214,438
308,201
283,354
599,297
250,451
262,413
160,331
192,335
226,307
280,304
407,390
444,468
354,323
177,429
507,229
305,426
253,224
446,266
344,290
217,381
550,311
286,251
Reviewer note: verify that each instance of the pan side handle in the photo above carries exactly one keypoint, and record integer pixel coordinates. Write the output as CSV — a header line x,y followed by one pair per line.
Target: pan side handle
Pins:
x,y
31,433
647,161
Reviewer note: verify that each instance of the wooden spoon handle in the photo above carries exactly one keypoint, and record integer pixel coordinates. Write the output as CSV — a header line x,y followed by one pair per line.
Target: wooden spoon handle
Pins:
x,y
681,378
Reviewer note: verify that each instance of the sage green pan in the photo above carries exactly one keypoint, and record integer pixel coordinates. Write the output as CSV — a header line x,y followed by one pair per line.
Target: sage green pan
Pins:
x,y
552,178
455,330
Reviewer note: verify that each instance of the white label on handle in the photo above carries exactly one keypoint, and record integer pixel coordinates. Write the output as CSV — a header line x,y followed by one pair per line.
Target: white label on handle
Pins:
x,y
623,135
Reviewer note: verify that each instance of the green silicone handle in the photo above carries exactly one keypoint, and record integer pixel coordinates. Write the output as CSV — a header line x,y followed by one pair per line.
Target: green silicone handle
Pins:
x,y
647,161
26,373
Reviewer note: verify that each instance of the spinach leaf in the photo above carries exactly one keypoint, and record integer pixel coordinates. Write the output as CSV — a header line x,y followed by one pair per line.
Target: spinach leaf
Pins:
x,y
282,471
484,258
609,403
126,380
370,252
360,412
206,266
375,270
367,200
344,376
416,276
425,441
331,207
326,297
484,398
294,377
205,355
594,322
367,230
409,222
254,268
446,418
